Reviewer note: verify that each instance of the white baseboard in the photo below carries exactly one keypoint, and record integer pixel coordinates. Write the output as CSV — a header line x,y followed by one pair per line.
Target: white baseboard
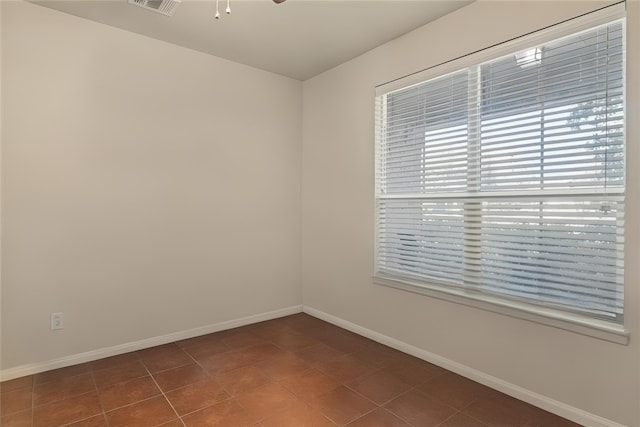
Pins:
x,y
551,405
89,356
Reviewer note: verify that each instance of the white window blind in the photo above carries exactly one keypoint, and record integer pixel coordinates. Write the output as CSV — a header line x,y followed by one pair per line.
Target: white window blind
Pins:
x,y
507,178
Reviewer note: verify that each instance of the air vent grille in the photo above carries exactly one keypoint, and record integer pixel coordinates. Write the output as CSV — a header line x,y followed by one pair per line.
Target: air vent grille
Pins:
x,y
165,7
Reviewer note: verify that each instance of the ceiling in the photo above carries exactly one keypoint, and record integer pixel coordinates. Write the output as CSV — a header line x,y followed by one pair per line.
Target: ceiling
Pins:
x,y
298,38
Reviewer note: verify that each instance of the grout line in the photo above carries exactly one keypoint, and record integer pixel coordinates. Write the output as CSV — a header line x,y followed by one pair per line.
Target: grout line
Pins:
x,y
169,369
75,396
210,375
133,403
83,419
472,417
207,407
165,396
33,399
398,417
448,418
95,386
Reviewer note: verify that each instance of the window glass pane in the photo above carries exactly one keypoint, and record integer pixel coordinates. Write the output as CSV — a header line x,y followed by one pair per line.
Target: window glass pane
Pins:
x,y
423,239
425,138
507,178
555,119
556,251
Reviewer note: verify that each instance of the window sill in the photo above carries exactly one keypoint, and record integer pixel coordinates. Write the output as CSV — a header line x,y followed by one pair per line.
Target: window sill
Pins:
x,y
567,321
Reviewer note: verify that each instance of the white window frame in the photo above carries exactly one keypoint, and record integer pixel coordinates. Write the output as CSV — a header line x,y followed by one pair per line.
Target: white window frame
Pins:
x,y
565,320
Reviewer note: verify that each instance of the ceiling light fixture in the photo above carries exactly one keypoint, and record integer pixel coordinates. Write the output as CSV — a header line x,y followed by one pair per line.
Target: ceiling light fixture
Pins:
x,y
168,7
228,9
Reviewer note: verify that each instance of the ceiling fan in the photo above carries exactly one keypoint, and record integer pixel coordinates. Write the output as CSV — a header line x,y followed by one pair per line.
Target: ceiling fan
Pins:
x,y
168,7
228,10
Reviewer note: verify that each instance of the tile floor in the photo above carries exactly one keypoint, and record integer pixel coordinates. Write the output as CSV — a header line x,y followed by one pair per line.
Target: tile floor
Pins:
x,y
294,371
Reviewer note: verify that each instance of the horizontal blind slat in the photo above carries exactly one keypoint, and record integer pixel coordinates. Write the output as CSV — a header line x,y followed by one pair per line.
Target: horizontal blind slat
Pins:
x,y
544,135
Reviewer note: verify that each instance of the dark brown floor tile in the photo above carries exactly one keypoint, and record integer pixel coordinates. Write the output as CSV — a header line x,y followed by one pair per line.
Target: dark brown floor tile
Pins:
x,y
378,356
151,412
283,366
378,418
110,362
18,419
419,409
342,405
345,341
414,373
205,347
125,371
266,400
260,352
345,368
237,339
62,388
225,414
505,411
164,357
319,353
309,384
462,420
270,331
299,414
67,411
174,423
16,401
61,373
231,360
224,362
197,396
380,386
128,392
551,420
326,332
242,380
454,390
180,377
293,341
17,384
97,421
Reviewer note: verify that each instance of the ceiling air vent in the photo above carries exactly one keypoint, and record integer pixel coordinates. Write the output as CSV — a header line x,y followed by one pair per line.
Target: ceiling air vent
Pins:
x,y
165,7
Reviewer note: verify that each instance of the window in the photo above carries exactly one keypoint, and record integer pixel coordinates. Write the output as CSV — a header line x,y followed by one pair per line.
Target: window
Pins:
x,y
503,182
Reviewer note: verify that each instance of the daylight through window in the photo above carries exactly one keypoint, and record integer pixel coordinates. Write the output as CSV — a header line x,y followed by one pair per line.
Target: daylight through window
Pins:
x,y
507,178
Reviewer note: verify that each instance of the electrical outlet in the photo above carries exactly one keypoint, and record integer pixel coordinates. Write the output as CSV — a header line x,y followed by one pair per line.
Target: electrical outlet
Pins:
x,y
57,321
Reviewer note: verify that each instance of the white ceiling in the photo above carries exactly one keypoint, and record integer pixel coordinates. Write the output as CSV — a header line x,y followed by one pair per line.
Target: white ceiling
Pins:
x,y
298,38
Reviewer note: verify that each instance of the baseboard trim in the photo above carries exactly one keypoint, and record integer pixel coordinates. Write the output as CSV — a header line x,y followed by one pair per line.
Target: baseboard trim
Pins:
x,y
89,356
569,412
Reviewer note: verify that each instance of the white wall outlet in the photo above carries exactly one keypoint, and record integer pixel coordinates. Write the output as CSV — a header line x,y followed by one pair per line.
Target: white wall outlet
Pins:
x,y
57,321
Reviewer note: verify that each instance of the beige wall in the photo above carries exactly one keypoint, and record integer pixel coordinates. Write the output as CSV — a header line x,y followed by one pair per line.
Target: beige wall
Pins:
x,y
146,188
596,376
